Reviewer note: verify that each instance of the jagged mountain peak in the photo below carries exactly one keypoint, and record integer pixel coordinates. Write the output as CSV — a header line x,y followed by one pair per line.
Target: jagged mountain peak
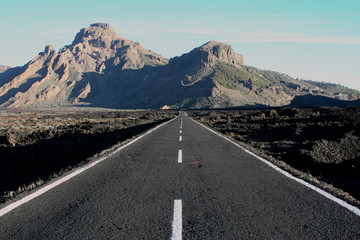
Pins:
x,y
212,44
209,54
68,76
98,34
104,26
99,47
100,40
49,48
222,52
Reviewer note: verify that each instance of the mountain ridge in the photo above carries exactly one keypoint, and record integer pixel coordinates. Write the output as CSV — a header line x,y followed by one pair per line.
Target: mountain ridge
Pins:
x,y
4,68
102,69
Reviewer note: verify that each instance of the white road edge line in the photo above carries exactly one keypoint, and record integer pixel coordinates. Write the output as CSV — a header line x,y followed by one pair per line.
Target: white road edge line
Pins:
x,y
344,204
43,190
177,221
180,156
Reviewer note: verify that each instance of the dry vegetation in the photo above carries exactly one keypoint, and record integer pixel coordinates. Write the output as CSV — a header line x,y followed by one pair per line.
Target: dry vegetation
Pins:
x,y
36,146
323,143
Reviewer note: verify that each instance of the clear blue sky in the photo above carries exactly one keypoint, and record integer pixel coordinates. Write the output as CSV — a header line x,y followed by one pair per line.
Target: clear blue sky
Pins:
x,y
316,39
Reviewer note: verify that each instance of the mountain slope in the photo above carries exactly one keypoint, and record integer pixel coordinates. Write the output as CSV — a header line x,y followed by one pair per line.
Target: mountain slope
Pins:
x,y
4,68
103,69
64,78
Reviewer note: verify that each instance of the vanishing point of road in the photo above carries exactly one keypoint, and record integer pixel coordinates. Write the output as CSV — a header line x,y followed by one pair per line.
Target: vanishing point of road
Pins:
x,y
180,181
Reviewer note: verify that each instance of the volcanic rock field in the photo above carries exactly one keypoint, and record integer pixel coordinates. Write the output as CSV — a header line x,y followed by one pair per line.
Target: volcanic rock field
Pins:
x,y
320,144
37,146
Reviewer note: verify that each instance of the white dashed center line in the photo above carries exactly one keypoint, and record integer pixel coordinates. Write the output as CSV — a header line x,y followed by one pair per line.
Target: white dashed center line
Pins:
x,y
180,156
180,138
177,221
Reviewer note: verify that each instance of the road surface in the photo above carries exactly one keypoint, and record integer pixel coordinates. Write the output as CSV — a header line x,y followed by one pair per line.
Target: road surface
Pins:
x,y
185,182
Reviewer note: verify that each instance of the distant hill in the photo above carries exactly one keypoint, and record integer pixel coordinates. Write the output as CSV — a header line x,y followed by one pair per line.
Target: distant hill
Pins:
x,y
318,100
340,92
103,69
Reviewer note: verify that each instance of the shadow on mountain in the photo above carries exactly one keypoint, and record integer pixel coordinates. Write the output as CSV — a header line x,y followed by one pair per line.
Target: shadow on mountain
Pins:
x,y
147,88
310,100
10,74
22,88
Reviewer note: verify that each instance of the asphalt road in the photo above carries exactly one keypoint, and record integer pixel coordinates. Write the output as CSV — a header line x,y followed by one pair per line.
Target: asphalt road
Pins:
x,y
225,193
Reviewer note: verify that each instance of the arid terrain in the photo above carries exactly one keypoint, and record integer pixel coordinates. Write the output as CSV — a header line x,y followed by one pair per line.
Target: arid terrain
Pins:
x,y
321,145
105,70
36,146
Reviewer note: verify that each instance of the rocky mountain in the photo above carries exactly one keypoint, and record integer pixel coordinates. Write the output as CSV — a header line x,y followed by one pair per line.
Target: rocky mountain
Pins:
x,y
3,68
103,69
65,78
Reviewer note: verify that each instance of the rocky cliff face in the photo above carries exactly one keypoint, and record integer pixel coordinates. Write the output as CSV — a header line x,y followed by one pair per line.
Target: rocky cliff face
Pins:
x,y
209,55
65,77
100,47
103,69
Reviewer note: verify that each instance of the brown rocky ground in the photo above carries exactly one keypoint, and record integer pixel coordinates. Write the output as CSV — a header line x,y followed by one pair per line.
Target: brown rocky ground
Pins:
x,y
323,143
36,146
